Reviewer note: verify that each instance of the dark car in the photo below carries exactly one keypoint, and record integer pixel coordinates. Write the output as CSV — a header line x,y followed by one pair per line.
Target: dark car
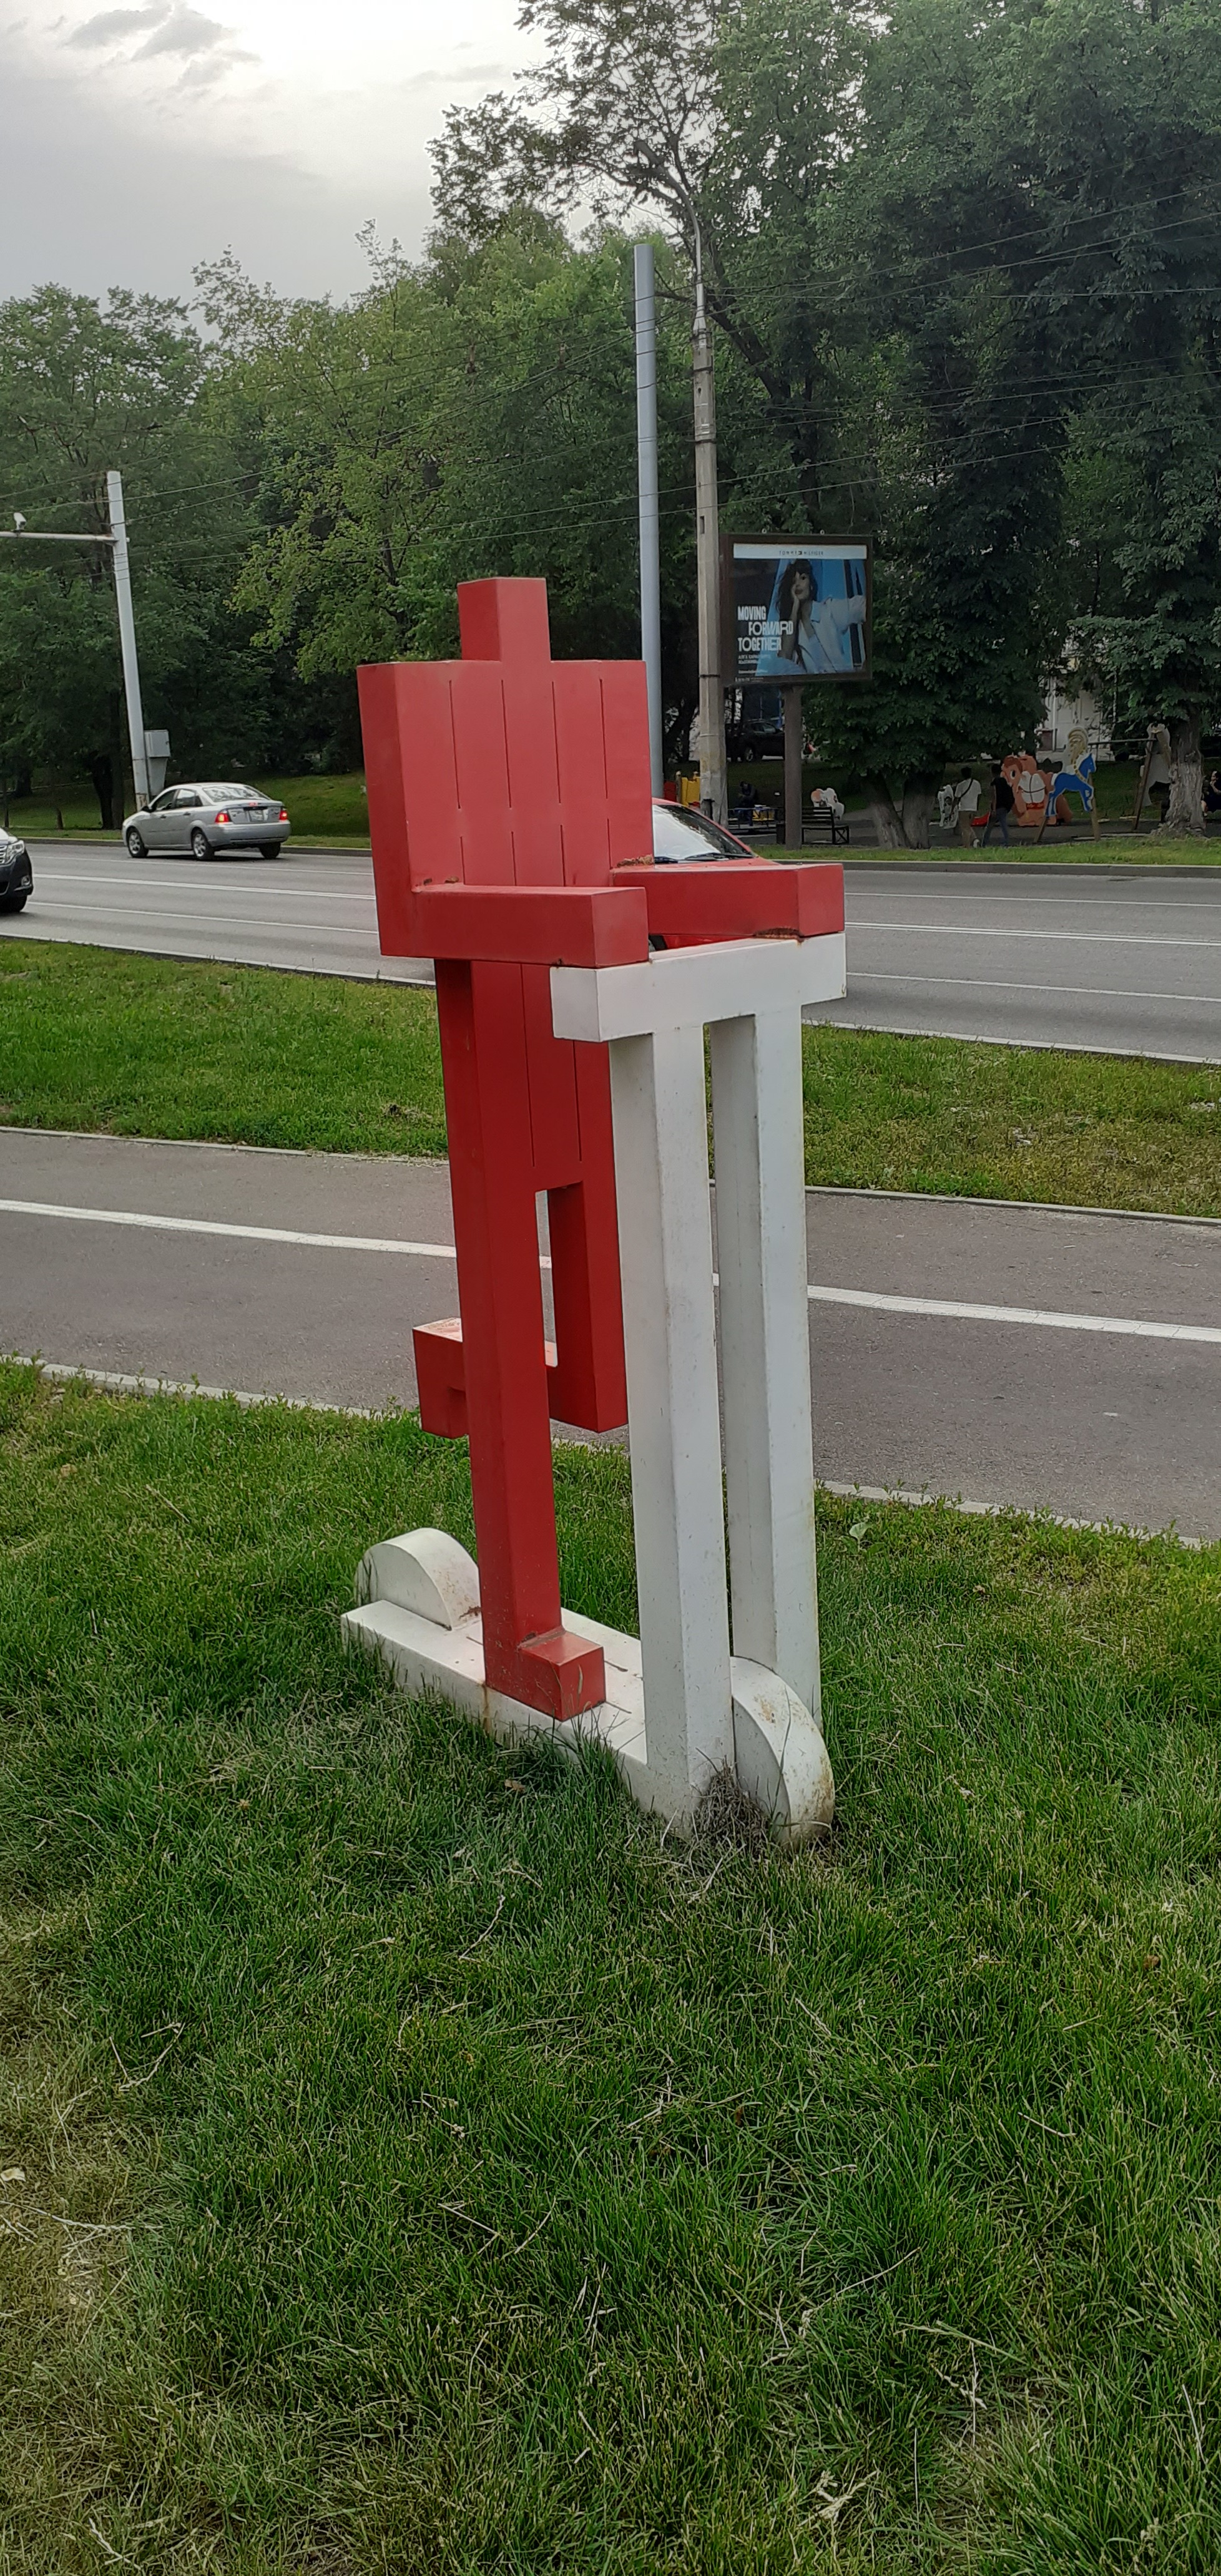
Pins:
x,y
16,874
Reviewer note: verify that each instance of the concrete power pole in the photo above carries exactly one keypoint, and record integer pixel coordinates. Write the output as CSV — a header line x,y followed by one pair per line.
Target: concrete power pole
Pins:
x,y
708,559
650,547
127,637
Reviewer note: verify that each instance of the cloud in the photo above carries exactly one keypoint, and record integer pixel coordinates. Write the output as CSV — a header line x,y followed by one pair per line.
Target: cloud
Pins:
x,y
173,28
79,200
185,31
111,24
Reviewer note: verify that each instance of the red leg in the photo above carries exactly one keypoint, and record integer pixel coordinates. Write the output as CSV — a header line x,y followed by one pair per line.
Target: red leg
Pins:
x,y
527,1652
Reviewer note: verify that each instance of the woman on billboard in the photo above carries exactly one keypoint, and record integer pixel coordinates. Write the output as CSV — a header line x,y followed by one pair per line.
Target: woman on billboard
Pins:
x,y
813,635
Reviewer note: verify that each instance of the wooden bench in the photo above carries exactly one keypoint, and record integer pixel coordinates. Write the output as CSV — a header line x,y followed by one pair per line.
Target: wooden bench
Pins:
x,y
755,831
824,824
821,824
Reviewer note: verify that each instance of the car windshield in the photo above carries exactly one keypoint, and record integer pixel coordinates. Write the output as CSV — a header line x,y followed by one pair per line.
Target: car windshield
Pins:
x,y
679,835
213,790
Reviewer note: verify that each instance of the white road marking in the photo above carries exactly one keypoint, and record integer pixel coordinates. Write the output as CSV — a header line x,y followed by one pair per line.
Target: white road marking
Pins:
x,y
960,1312
247,1233
956,1309
993,930
285,922
1059,902
143,885
996,984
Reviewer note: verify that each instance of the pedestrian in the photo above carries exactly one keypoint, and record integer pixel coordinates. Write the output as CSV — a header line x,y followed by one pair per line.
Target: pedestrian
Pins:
x,y
1001,807
1212,793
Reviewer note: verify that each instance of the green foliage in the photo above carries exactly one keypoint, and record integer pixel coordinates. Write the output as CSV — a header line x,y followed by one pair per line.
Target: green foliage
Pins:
x,y
82,390
470,417
84,387
963,265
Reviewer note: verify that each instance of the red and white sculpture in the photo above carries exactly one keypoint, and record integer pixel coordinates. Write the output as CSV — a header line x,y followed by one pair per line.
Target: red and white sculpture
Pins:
x,y
510,809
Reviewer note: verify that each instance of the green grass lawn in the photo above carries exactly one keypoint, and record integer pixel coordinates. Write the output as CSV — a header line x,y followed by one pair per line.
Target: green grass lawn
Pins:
x,y
412,2161
101,1038
322,809
1106,852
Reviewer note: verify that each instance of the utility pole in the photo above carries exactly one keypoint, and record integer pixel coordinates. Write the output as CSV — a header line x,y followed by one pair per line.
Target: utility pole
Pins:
x,y
708,556
646,457
127,636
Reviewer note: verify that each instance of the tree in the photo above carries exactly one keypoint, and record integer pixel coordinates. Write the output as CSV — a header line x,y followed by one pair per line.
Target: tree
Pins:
x,y
84,387
931,246
472,415
1147,605
79,391
855,400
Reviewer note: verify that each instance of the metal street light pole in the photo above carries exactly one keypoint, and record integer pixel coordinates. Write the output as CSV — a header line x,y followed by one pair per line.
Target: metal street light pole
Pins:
x,y
708,556
646,455
127,636
20,535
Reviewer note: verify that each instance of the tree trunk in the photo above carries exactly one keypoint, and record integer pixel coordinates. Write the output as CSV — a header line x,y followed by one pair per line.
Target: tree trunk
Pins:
x,y
904,827
102,774
919,799
886,815
1185,812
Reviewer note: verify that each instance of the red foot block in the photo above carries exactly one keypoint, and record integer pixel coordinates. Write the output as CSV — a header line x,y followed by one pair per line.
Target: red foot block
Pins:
x,y
441,1378
561,1673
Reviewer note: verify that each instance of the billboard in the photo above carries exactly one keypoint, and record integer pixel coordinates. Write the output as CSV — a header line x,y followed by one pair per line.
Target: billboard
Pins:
x,y
794,608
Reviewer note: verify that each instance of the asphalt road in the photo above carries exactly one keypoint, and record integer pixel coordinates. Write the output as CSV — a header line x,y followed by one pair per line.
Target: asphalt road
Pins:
x,y
1003,1355
1126,961
312,911
1118,960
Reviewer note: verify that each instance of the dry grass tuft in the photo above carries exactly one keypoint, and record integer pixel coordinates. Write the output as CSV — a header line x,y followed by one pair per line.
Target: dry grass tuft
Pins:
x,y
729,1819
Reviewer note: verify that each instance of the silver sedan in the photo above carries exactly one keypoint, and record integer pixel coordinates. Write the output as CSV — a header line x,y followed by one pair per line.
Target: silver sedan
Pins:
x,y
205,818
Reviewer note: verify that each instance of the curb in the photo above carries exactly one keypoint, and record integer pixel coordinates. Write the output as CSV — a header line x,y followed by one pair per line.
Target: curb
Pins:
x,y
1036,867
123,1382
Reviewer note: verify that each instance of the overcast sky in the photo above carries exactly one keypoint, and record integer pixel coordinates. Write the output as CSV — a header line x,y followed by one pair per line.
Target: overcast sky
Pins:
x,y
139,139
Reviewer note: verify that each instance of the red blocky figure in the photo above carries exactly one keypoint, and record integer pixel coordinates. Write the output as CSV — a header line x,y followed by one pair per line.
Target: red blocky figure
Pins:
x,y
510,810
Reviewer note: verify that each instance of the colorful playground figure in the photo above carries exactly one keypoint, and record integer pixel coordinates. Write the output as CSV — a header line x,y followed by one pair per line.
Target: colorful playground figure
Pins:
x,y
1080,776
510,809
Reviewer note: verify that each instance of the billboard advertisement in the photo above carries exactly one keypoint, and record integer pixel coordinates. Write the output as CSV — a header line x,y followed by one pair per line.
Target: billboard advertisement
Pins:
x,y
794,608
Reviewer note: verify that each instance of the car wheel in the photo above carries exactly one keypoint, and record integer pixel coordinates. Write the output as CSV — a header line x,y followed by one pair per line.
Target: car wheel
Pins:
x,y
136,843
271,849
201,847
13,902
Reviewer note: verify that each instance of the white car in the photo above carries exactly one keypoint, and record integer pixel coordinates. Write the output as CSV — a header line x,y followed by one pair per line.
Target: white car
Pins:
x,y
205,818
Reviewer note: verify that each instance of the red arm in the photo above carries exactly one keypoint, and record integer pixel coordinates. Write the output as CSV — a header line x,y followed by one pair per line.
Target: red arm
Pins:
x,y
717,899
526,925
